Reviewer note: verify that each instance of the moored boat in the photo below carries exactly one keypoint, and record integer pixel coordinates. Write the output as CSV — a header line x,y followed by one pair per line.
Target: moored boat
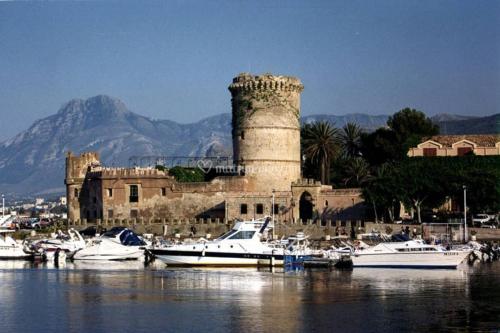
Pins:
x,y
119,243
408,254
10,249
241,246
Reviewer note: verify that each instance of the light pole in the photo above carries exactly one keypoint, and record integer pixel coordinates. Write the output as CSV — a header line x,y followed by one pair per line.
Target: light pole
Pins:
x,y
272,207
465,213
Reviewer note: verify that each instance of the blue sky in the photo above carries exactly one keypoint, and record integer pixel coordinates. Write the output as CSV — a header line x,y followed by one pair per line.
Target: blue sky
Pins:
x,y
175,59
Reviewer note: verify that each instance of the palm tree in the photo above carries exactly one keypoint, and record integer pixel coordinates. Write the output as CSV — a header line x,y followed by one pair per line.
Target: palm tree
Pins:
x,y
350,140
357,172
320,145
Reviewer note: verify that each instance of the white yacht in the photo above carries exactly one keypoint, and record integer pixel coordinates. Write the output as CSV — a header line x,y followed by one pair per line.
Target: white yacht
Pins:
x,y
240,246
119,243
10,249
408,254
69,243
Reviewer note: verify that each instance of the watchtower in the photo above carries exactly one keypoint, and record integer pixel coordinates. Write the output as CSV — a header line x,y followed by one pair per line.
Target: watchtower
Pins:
x,y
266,129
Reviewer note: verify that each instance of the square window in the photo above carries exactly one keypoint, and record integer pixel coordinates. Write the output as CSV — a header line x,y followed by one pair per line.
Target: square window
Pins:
x,y
461,151
430,151
259,209
243,209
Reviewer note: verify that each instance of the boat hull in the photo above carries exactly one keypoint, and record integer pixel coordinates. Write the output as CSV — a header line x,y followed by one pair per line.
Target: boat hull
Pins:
x,y
14,254
196,258
87,255
444,260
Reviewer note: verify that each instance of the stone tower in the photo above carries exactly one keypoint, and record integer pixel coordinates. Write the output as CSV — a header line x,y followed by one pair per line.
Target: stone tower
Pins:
x,y
76,170
266,129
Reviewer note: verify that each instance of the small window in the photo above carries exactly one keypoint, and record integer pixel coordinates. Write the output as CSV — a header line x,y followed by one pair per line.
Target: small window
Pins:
x,y
276,208
242,135
110,192
243,209
110,213
94,200
259,209
462,151
134,213
134,193
326,203
163,191
76,193
430,151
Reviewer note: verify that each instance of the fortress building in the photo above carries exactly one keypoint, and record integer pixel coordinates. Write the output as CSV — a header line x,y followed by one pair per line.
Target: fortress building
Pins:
x,y
267,161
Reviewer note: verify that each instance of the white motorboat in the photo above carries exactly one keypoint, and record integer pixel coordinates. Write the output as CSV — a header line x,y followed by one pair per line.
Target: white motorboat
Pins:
x,y
10,249
69,243
119,243
240,246
407,254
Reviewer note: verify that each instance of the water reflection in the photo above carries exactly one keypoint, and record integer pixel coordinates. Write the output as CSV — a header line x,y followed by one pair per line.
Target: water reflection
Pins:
x,y
125,296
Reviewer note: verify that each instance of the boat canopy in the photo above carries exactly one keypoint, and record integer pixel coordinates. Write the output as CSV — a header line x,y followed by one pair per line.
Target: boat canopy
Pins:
x,y
127,237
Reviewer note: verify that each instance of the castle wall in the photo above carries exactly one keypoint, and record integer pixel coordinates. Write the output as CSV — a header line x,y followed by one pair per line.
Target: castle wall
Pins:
x,y
266,144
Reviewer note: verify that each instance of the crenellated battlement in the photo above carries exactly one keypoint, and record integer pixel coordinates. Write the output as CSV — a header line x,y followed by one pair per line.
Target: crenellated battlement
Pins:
x,y
100,171
248,82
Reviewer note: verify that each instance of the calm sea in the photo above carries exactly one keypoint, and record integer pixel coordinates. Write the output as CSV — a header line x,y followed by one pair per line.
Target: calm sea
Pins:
x,y
126,297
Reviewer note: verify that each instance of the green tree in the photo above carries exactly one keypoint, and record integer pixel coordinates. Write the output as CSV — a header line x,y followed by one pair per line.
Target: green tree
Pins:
x,y
383,190
320,145
350,140
405,129
356,172
187,175
410,126
380,147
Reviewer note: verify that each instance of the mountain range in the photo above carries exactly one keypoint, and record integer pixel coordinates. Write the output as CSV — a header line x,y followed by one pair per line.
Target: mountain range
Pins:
x,y
32,162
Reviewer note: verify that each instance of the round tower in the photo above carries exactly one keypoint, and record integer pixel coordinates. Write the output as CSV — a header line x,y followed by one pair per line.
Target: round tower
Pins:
x,y
266,129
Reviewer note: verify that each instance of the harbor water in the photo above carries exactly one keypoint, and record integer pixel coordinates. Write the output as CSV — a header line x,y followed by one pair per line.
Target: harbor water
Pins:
x,y
126,297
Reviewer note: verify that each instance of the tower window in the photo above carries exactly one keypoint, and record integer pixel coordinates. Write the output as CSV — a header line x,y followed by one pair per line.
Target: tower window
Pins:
x,y
242,135
243,209
76,193
163,191
134,193
259,208
110,192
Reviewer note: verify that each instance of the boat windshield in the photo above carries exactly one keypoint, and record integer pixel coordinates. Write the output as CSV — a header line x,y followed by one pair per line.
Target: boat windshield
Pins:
x,y
129,238
243,235
228,234
399,238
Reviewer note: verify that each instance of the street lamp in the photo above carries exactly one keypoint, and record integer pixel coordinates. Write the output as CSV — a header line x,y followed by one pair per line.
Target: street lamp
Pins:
x,y
272,207
465,213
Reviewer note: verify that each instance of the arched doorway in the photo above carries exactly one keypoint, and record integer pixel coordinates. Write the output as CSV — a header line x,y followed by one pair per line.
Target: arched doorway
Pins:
x,y
305,207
